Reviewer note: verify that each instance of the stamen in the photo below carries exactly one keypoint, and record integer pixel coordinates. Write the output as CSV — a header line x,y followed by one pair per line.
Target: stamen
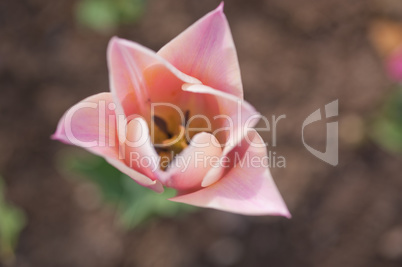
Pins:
x,y
171,147
162,125
169,143
186,118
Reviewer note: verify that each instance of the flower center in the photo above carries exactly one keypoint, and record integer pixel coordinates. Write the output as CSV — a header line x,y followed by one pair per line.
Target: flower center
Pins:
x,y
169,138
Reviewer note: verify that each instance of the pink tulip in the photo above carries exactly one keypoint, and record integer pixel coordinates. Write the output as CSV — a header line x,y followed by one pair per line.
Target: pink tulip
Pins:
x,y
394,65
184,102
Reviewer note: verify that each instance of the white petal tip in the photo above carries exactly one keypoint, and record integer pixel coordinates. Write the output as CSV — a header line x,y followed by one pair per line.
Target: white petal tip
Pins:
x,y
286,214
220,7
54,137
155,186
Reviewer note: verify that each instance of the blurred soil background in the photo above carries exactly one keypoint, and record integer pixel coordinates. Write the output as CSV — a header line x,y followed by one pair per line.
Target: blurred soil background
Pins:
x,y
295,56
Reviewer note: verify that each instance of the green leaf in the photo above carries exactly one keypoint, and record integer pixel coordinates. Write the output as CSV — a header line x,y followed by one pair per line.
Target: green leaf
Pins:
x,y
99,15
135,204
106,15
387,126
12,221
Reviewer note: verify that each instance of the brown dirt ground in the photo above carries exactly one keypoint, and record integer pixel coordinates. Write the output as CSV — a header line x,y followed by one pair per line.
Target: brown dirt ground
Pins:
x,y
295,57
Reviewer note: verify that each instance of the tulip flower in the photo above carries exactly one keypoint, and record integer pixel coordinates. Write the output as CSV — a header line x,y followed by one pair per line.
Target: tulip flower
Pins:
x,y
177,119
386,37
394,65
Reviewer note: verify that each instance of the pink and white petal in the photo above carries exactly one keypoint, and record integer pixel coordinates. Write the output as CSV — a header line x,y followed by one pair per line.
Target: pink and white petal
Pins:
x,y
91,124
136,176
245,189
237,118
236,115
206,51
188,169
127,62
140,154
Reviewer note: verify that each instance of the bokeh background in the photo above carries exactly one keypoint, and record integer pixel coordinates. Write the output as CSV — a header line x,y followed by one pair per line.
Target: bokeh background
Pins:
x,y
295,56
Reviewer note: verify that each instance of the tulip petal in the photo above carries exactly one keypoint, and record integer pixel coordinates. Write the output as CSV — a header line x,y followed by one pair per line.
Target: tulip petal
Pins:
x,y
127,63
237,117
135,175
189,168
140,153
246,188
206,51
91,124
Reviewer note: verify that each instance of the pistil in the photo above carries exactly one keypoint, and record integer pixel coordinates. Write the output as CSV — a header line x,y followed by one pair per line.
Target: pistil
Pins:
x,y
169,144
